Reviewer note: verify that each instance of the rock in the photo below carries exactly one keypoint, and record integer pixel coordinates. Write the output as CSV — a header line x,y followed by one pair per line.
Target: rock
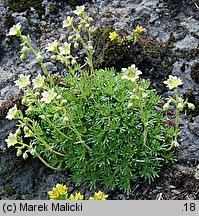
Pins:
x,y
195,72
153,19
197,173
175,192
191,25
50,67
5,77
33,15
189,42
194,126
4,91
172,187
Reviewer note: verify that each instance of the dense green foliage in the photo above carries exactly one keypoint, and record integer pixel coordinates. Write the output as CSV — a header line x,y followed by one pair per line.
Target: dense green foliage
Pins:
x,y
107,128
113,132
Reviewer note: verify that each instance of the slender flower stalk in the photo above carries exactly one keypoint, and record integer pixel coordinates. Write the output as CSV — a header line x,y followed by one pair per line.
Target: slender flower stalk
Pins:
x,y
132,73
39,138
47,164
177,121
27,42
46,117
142,112
172,83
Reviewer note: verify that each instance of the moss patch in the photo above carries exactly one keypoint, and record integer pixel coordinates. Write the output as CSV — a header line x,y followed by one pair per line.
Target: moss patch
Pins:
x,y
191,54
153,58
24,5
74,3
9,191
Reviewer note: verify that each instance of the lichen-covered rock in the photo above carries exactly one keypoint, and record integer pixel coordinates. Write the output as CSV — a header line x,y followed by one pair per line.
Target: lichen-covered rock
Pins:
x,y
23,5
153,58
195,72
74,3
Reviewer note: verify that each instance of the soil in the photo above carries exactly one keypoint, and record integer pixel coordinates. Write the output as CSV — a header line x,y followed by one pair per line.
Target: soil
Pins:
x,y
169,46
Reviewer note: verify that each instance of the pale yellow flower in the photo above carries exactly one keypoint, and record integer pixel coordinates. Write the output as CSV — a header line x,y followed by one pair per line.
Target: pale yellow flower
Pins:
x,y
52,47
173,82
68,22
12,140
65,49
12,113
53,194
38,82
79,10
15,30
59,192
131,73
23,81
48,96
62,189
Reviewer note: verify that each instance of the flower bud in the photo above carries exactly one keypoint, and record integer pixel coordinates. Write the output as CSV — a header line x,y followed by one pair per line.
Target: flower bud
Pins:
x,y
26,129
24,101
28,132
144,95
76,45
65,119
22,57
78,36
175,143
166,107
134,96
73,62
33,152
80,26
90,19
53,57
18,132
90,47
70,37
25,155
19,152
37,94
180,106
64,102
59,97
130,105
25,50
191,106
39,58
87,25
